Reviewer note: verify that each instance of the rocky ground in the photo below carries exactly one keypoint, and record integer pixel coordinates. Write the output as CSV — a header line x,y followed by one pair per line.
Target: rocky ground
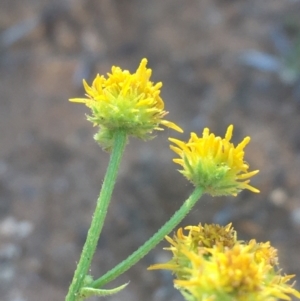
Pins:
x,y
221,62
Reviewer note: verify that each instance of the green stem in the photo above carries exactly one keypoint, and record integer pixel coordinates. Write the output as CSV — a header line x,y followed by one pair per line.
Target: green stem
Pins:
x,y
99,216
151,243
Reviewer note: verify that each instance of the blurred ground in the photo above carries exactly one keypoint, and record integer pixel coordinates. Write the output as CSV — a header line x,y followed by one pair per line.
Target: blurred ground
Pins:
x,y
221,62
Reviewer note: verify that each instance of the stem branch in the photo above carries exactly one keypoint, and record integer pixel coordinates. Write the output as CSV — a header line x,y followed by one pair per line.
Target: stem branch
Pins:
x,y
98,217
151,243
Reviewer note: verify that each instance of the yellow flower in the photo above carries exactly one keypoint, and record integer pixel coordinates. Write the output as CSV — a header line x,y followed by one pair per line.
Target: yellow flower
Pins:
x,y
266,253
196,241
211,235
214,164
234,274
231,272
127,102
208,267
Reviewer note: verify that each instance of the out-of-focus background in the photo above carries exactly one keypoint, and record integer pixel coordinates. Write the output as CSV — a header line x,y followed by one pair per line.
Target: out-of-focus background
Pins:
x,y
221,62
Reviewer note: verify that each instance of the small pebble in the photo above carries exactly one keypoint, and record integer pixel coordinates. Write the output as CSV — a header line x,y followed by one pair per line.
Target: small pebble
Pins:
x,y
295,216
278,197
11,227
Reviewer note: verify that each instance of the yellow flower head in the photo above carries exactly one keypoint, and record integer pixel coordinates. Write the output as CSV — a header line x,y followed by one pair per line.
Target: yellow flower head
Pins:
x,y
233,274
125,101
208,267
196,241
213,163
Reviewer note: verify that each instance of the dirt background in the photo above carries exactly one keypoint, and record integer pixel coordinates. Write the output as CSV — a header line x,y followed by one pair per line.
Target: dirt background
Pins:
x,y
221,62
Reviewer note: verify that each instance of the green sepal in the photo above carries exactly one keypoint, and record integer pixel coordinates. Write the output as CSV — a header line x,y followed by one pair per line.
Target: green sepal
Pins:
x,y
187,296
87,292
